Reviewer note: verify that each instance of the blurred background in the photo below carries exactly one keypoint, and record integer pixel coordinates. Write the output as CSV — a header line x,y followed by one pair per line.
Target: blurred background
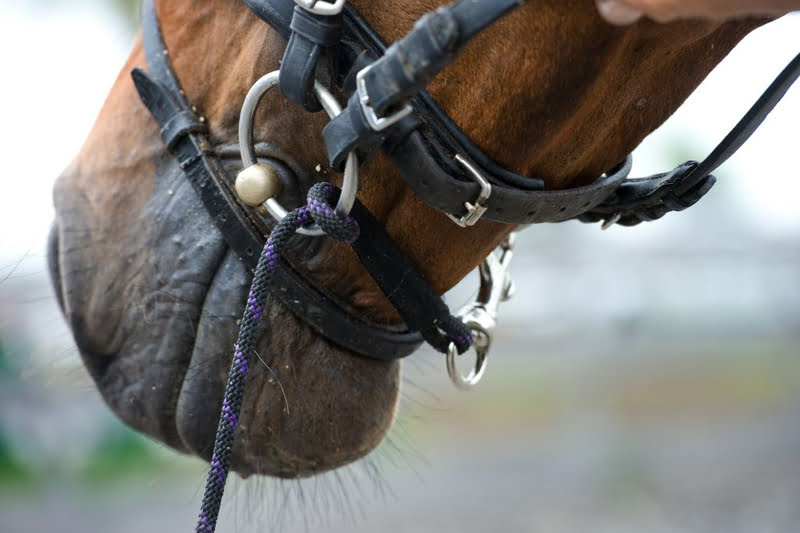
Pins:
x,y
644,379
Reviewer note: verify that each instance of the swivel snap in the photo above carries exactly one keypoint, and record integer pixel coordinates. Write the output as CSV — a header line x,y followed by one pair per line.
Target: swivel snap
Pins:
x,y
496,287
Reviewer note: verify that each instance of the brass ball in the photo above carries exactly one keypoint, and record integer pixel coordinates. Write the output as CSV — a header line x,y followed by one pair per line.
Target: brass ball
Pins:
x,y
257,183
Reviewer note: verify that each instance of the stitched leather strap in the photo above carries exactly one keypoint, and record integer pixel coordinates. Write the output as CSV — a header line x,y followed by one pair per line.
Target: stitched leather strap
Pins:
x,y
511,205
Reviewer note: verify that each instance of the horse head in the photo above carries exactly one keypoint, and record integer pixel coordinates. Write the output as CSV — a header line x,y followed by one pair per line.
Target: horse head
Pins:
x,y
152,292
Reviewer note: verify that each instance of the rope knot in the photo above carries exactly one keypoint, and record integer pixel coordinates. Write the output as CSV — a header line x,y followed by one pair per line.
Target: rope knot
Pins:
x,y
321,199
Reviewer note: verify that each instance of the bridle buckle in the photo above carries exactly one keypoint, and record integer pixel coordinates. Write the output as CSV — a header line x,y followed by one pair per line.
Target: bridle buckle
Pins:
x,y
375,122
321,7
475,210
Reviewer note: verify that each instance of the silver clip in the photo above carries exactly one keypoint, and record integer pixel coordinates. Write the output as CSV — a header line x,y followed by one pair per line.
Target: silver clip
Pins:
x,y
474,211
375,122
321,7
481,317
611,221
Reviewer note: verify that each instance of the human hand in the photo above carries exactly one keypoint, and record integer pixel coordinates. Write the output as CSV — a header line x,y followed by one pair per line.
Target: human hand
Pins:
x,y
622,12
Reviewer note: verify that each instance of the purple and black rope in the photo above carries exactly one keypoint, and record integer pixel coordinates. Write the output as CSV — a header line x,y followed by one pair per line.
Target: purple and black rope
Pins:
x,y
344,229
319,209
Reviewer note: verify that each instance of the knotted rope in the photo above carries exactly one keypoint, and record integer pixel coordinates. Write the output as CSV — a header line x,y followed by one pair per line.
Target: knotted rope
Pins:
x,y
343,229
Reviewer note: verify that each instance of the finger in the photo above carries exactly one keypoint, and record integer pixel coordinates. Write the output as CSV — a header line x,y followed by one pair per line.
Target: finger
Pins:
x,y
617,12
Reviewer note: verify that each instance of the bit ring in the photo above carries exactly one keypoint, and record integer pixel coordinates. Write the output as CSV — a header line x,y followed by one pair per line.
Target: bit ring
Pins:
x,y
246,144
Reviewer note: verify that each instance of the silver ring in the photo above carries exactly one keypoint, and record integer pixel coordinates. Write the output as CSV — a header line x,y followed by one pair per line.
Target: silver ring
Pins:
x,y
246,144
459,380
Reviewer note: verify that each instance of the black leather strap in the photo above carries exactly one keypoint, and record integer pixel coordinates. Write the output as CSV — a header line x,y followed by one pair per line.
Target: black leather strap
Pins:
x,y
429,180
751,121
405,287
424,146
405,69
310,35
164,99
179,125
648,199
441,138
436,40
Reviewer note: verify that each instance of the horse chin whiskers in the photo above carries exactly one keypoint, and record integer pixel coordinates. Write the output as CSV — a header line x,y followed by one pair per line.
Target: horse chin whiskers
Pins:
x,y
277,380
317,502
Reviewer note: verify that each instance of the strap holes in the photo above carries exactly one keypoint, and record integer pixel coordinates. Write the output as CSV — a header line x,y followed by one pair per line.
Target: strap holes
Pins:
x,y
499,210
531,213
562,209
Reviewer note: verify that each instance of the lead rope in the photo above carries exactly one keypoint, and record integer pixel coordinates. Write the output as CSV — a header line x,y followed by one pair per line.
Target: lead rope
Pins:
x,y
343,229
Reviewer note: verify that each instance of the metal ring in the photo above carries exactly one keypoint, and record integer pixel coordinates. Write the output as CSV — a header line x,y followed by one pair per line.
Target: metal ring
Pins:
x,y
246,144
318,7
474,377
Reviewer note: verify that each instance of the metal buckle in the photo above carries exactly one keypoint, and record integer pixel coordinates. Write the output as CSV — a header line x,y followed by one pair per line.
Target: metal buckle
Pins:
x,y
474,211
375,122
320,7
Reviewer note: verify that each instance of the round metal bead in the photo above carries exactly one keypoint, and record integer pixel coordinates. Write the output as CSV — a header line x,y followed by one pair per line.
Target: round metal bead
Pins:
x,y
257,183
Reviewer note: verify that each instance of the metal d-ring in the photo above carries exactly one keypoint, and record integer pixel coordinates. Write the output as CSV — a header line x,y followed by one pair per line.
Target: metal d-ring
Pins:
x,y
246,143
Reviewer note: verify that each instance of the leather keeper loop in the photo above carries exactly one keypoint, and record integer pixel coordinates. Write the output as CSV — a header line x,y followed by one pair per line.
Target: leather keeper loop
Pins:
x,y
180,125
310,36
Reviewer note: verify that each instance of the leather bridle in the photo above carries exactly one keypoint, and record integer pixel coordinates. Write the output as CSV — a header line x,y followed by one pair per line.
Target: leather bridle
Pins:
x,y
332,49
389,110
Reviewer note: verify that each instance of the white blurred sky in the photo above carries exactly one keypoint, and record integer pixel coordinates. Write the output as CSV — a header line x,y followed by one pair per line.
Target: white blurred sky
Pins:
x,y
60,61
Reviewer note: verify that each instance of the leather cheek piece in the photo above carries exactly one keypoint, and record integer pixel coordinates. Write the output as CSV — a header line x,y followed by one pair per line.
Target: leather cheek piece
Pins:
x,y
180,125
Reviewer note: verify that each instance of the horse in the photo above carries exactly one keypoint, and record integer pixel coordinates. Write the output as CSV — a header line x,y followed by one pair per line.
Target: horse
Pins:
x,y
152,290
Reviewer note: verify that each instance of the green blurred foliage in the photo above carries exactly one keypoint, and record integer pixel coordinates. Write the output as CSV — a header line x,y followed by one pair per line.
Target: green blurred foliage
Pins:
x,y
7,369
127,10
12,471
120,453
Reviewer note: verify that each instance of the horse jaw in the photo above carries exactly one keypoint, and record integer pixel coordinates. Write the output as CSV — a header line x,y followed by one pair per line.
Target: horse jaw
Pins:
x,y
153,295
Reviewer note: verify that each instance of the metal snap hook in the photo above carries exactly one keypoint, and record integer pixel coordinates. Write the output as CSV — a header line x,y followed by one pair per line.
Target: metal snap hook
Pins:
x,y
481,317
246,144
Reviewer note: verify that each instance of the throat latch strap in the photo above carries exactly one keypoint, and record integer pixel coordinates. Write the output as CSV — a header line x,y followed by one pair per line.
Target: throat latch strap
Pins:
x,y
647,199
